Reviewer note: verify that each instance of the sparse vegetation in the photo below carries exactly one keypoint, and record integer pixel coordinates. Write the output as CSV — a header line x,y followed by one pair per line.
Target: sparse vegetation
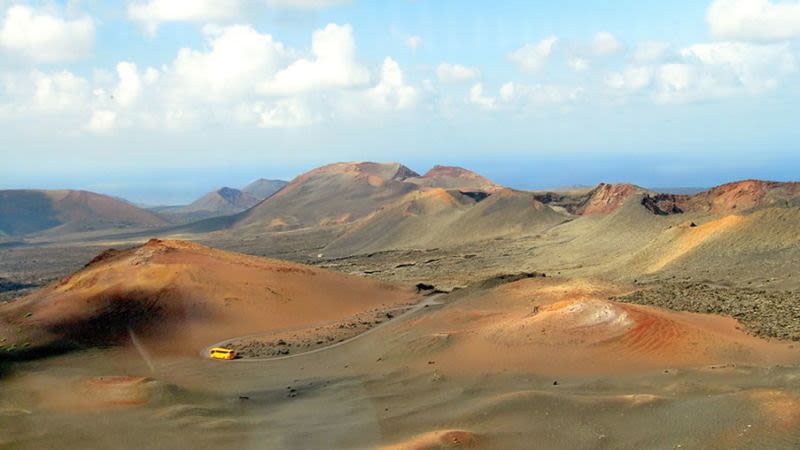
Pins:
x,y
772,314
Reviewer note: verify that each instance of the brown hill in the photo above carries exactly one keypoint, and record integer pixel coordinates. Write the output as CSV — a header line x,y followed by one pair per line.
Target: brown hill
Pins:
x,y
745,195
224,201
63,211
415,220
569,327
263,188
728,198
436,217
606,198
330,195
634,242
221,202
748,248
176,296
602,199
448,177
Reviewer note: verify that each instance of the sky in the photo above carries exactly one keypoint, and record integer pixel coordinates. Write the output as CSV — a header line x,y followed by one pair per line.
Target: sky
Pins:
x,y
159,101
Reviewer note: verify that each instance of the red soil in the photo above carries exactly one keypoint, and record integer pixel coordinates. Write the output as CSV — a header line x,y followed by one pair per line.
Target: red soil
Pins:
x,y
178,297
606,198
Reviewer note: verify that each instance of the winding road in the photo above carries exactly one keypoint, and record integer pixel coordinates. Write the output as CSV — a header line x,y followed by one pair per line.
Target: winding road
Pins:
x,y
430,301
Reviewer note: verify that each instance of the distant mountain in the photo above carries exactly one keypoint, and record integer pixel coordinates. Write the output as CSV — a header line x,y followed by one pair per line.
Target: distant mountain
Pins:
x,y
330,195
448,177
64,211
746,194
263,188
606,198
678,190
732,197
224,200
221,202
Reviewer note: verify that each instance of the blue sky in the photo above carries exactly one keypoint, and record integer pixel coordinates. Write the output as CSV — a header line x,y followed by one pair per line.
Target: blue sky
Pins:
x,y
162,100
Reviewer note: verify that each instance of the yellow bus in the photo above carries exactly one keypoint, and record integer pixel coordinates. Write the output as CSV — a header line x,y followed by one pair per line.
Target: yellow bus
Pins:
x,y
221,353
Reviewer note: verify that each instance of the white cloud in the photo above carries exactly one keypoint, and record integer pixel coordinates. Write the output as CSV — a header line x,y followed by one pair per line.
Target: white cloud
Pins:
x,y
605,43
333,66
675,76
152,13
413,42
674,83
578,64
539,93
58,92
285,113
706,71
130,84
102,121
650,51
744,58
305,4
239,59
507,92
476,97
752,68
532,57
631,79
36,93
454,73
151,76
392,92
43,37
240,77
754,20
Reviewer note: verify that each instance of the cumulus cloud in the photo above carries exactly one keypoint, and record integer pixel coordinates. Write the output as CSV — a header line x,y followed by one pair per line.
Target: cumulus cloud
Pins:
x,y
476,97
392,92
677,82
152,13
754,20
130,84
507,92
631,79
238,59
539,93
454,73
705,70
532,57
753,67
241,76
724,69
44,96
42,36
305,4
605,43
333,66
285,113
650,51
59,92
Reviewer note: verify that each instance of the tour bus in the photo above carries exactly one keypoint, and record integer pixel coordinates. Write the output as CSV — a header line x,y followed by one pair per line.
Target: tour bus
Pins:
x,y
221,353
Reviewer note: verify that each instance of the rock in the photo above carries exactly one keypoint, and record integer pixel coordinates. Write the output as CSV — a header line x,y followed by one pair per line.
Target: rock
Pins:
x,y
424,287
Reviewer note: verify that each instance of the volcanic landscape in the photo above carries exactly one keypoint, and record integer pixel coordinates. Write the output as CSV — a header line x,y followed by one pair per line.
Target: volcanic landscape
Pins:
x,y
374,307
